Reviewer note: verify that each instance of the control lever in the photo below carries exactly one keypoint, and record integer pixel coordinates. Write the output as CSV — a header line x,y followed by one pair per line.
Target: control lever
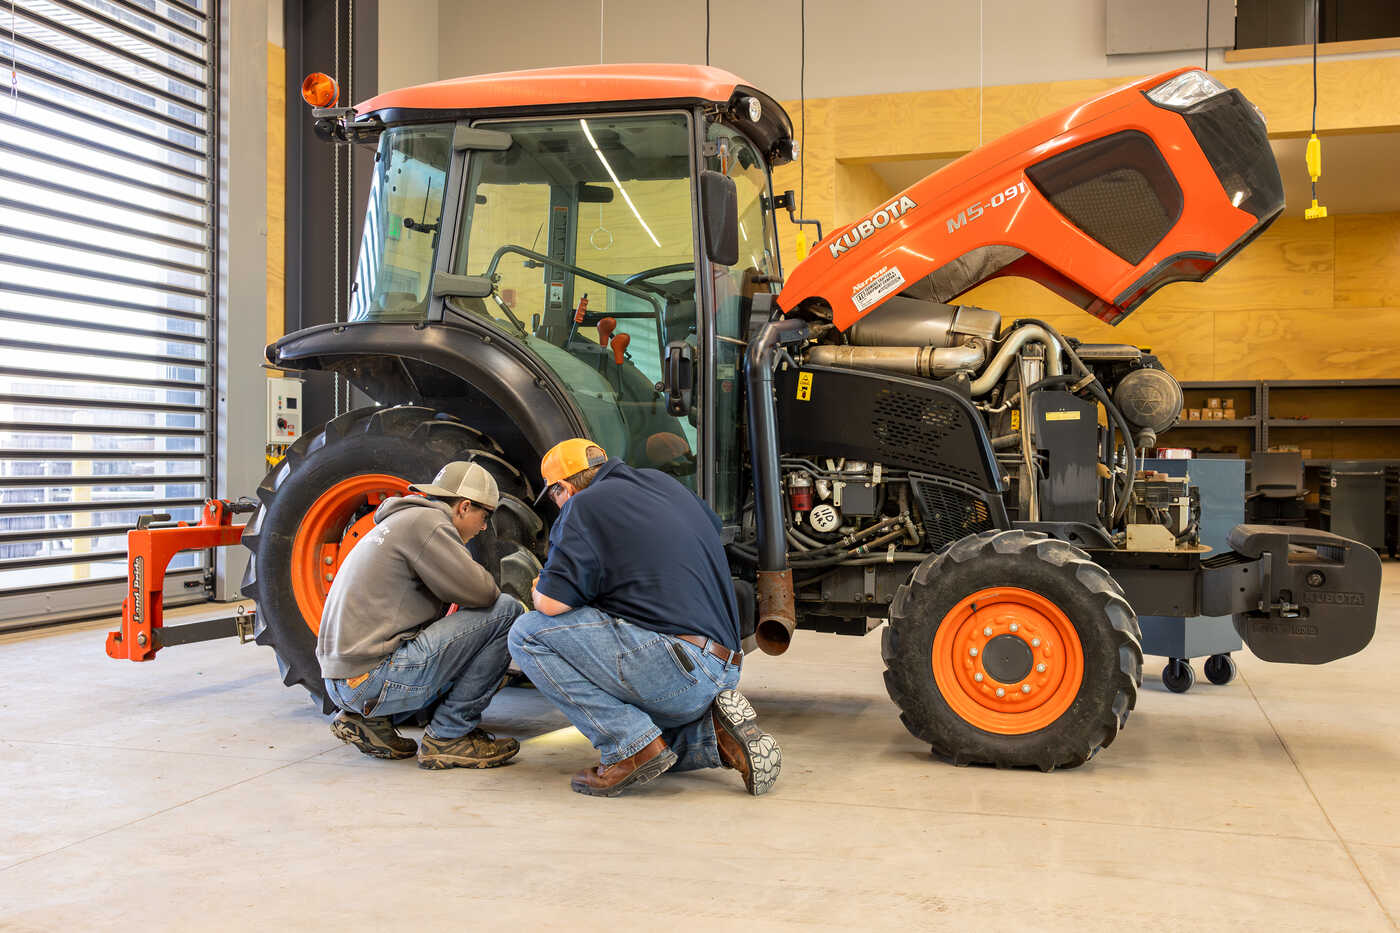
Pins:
x,y
619,347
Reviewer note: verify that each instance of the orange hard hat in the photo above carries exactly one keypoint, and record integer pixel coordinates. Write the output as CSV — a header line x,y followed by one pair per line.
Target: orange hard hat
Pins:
x,y
566,458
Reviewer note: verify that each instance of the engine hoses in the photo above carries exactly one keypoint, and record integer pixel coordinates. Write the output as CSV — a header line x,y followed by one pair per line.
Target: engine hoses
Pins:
x,y
1091,382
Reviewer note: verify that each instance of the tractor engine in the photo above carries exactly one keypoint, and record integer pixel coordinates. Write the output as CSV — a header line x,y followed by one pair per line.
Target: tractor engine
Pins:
x,y
878,470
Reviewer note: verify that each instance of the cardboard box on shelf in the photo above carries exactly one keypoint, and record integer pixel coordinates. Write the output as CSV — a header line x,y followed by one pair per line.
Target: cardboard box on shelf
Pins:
x,y
1214,403
1217,414
1193,414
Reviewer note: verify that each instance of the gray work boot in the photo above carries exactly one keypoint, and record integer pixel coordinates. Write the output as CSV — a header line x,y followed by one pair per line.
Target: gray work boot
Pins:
x,y
477,749
743,746
373,735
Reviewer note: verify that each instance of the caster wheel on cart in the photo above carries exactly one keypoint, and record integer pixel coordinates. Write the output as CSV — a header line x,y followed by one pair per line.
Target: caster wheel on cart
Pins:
x,y
1220,669
1178,676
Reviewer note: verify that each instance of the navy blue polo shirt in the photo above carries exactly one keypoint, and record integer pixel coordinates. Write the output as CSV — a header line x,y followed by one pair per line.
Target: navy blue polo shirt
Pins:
x,y
638,545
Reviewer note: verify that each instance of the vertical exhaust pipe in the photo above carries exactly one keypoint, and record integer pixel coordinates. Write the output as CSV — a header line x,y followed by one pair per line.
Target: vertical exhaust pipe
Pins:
x,y
777,613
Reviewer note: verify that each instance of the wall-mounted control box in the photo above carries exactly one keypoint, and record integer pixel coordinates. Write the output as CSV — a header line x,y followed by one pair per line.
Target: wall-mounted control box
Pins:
x,y
283,410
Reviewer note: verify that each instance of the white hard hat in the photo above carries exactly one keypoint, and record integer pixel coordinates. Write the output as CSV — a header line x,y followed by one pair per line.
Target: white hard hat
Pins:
x,y
463,480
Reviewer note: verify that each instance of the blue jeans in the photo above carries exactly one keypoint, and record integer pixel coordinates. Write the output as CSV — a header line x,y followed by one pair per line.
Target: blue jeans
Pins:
x,y
461,658
623,685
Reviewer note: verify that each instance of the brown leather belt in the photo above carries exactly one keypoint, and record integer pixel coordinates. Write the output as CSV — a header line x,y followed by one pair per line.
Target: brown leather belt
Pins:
x,y
715,648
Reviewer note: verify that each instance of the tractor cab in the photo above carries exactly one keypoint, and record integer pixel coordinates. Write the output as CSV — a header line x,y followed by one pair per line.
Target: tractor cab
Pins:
x,y
615,240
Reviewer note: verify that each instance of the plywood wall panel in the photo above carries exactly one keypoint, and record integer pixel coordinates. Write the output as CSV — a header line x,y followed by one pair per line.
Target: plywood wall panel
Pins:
x,y
859,190
1288,266
1308,343
1368,261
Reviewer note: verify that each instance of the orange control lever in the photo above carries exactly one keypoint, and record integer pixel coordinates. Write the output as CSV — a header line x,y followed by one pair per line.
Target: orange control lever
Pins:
x,y
619,346
605,330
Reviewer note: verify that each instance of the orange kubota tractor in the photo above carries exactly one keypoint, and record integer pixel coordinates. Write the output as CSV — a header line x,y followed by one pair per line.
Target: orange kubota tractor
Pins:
x,y
593,251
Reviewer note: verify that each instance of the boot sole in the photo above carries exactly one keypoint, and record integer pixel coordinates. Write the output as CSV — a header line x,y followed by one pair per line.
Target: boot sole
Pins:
x,y
350,735
765,757
443,762
644,775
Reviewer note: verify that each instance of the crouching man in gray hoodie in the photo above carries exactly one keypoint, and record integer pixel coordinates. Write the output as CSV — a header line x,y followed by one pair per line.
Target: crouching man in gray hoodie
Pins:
x,y
382,646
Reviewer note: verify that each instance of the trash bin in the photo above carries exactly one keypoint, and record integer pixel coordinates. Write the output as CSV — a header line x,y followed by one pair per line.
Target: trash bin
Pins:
x,y
1353,500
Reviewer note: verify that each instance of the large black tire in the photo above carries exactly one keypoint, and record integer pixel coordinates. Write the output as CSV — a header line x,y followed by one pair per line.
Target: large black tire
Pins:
x,y
1092,602
409,442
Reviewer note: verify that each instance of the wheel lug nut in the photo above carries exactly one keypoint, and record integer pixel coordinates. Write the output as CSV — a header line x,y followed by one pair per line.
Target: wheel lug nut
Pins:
x,y
1025,688
330,577
1040,668
1015,627
1001,692
972,651
1035,642
328,560
977,677
987,631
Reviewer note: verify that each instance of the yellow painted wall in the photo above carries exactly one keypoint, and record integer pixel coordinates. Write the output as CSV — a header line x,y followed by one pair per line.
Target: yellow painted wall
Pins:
x,y
1308,299
276,190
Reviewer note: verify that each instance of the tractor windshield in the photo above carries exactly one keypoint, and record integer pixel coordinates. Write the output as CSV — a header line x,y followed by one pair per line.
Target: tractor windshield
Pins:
x,y
400,240
587,227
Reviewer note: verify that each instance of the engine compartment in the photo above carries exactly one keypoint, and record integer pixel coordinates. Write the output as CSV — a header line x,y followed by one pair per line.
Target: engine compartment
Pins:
x,y
927,422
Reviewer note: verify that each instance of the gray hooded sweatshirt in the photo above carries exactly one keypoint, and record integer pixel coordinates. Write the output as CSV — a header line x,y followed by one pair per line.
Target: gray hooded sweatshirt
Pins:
x,y
395,581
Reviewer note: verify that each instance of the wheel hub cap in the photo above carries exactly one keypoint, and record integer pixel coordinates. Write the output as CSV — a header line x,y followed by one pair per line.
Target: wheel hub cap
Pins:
x,y
1008,660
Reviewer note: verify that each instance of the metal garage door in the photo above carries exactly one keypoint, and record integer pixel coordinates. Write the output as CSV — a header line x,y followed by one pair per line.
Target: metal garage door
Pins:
x,y
107,146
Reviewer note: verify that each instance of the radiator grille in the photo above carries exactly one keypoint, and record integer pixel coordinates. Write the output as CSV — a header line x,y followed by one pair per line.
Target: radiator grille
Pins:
x,y
949,510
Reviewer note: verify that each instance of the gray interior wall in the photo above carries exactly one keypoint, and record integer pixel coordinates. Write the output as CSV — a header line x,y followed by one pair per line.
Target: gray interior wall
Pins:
x,y
241,383
408,43
881,46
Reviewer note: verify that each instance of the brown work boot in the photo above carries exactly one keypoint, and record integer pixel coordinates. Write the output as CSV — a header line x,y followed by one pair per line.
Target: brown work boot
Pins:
x,y
610,780
743,746
373,735
477,749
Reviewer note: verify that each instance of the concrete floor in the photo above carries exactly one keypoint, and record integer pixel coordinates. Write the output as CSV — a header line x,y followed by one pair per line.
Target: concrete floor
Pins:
x,y
197,792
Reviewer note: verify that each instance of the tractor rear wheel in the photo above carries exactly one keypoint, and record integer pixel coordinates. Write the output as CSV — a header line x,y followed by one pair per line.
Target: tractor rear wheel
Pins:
x,y
320,499
1013,649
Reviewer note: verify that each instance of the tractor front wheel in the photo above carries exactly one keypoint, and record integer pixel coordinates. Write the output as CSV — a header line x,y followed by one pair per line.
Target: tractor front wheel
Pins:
x,y
318,502
1013,649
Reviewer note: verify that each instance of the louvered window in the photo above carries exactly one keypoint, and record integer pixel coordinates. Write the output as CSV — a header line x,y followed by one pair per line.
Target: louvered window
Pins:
x,y
107,163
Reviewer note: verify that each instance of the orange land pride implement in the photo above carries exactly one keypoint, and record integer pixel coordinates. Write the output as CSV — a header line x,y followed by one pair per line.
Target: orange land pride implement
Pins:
x,y
150,547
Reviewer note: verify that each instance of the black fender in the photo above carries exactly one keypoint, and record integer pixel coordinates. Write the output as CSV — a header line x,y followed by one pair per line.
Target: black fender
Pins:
x,y
456,366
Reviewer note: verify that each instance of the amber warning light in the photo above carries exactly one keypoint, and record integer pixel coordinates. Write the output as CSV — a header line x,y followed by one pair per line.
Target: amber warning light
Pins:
x,y
320,90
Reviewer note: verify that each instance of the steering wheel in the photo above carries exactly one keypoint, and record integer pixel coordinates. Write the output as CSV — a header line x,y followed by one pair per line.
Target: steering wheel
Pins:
x,y
675,291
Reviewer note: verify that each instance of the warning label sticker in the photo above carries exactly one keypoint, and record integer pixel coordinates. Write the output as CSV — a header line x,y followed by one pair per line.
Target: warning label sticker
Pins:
x,y
880,285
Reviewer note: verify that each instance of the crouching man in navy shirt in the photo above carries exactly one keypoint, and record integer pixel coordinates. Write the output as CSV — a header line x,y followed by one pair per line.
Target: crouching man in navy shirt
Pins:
x,y
635,633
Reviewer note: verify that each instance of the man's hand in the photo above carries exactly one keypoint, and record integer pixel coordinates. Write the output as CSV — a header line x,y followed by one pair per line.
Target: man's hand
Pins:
x,y
546,604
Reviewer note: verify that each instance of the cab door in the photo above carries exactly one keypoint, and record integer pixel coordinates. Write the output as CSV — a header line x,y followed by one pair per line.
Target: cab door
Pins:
x,y
730,290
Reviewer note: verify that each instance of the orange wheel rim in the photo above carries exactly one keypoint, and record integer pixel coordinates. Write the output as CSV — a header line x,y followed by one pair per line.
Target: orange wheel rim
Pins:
x,y
1008,660
326,536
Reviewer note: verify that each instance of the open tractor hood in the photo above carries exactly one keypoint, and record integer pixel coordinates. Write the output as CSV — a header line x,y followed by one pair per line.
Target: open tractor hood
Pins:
x,y
1103,203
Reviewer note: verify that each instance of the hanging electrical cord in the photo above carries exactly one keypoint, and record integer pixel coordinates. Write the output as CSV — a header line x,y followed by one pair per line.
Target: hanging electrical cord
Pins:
x,y
1313,155
1206,64
707,32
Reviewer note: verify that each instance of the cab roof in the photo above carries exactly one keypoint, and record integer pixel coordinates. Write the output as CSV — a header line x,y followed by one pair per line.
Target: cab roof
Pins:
x,y
573,84
591,87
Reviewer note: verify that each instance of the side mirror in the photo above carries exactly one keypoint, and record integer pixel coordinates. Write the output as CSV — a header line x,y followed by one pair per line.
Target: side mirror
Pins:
x,y
719,211
680,376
